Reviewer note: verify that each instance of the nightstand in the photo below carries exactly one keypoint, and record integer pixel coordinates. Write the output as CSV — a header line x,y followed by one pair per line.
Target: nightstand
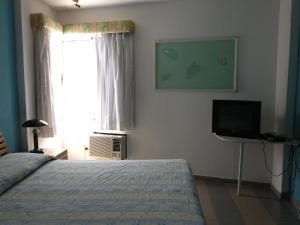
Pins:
x,y
57,153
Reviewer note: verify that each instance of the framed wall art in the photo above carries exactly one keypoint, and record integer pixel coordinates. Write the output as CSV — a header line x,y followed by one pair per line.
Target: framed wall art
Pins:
x,y
205,64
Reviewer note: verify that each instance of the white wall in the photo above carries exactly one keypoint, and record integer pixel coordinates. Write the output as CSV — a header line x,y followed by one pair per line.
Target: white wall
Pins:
x,y
177,124
29,7
283,52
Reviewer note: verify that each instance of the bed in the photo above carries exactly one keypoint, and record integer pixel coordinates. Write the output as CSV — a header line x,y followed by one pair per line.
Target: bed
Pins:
x,y
36,189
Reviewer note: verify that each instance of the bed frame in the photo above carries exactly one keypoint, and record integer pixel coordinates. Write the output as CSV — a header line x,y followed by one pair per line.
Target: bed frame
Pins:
x,y
3,146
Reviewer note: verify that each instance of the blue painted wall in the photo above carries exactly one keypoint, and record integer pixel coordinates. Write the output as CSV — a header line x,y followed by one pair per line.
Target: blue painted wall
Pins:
x,y
293,105
296,172
9,111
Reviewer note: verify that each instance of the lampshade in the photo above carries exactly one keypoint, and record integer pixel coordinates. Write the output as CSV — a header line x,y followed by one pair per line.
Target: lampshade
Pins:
x,y
34,123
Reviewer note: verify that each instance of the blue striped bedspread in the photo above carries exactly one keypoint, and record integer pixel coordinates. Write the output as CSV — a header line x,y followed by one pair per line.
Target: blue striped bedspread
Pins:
x,y
154,192
15,167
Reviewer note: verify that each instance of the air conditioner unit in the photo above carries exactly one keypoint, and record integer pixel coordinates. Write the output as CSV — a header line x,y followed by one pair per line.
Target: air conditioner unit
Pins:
x,y
108,146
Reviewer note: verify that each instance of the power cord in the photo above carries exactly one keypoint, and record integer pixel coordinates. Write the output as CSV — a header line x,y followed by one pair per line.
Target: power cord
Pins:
x,y
296,162
290,164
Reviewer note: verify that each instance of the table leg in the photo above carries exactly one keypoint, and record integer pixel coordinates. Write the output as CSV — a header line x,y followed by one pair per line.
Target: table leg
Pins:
x,y
240,168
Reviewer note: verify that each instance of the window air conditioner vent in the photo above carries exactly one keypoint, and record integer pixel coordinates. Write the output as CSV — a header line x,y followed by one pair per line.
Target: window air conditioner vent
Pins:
x,y
108,146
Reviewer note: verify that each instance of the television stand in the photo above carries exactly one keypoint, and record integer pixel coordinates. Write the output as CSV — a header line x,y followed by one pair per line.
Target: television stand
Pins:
x,y
242,142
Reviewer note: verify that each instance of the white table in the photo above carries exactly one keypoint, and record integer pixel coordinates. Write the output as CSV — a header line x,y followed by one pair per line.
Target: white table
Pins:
x,y
242,142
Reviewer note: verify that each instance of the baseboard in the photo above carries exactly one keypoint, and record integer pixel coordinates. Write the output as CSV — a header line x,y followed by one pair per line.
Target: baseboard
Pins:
x,y
273,189
275,192
296,204
232,180
267,185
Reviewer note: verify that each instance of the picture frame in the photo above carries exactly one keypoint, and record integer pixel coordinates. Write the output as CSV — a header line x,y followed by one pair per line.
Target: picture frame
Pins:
x,y
208,64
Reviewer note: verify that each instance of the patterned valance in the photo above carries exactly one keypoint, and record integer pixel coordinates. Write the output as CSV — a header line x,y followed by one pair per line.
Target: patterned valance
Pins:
x,y
124,26
41,21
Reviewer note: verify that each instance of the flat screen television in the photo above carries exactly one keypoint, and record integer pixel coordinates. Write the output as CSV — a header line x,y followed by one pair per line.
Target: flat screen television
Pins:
x,y
236,118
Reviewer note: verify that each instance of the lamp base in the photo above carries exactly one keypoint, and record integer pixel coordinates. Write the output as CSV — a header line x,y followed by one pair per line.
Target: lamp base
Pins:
x,y
38,151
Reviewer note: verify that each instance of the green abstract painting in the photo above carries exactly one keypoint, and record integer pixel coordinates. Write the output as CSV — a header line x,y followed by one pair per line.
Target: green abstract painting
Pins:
x,y
197,64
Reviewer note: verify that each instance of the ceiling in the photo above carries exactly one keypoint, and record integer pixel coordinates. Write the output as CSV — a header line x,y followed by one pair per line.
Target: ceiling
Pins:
x,y
68,4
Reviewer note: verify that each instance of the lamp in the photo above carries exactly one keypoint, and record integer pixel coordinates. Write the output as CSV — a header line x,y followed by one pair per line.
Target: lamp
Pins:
x,y
76,3
35,132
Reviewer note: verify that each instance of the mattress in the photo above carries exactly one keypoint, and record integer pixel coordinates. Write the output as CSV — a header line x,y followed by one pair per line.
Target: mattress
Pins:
x,y
36,189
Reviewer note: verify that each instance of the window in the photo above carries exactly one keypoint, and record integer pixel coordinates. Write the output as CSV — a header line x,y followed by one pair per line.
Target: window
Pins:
x,y
79,84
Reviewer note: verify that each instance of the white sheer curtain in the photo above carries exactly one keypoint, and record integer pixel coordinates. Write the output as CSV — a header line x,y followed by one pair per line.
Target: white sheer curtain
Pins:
x,y
98,87
48,69
115,81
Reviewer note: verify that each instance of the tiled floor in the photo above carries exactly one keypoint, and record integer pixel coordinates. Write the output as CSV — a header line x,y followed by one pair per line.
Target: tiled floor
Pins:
x,y
257,205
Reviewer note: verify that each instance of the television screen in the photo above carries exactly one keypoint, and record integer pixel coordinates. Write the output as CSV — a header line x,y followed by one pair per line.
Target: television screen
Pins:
x,y
236,118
